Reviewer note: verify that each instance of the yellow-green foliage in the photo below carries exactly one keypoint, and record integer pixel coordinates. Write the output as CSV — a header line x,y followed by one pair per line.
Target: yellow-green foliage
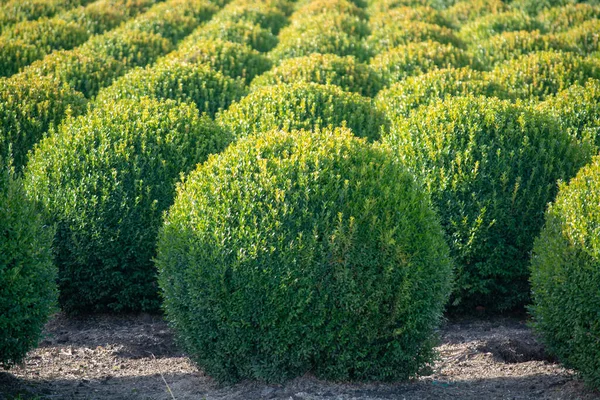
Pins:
x,y
418,58
288,245
565,275
537,75
469,10
340,7
266,15
394,35
403,14
232,59
345,72
375,6
585,37
14,11
208,89
569,16
27,109
105,179
303,106
400,99
494,24
491,167
534,7
510,45
27,274
577,108
242,32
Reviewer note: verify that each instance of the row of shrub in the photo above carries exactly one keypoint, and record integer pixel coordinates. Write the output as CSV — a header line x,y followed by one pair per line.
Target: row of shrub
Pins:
x,y
14,11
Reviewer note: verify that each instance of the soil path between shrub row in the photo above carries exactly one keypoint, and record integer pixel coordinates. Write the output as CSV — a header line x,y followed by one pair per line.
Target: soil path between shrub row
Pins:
x,y
123,357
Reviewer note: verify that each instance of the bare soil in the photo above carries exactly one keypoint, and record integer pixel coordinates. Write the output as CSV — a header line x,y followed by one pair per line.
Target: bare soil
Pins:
x,y
127,357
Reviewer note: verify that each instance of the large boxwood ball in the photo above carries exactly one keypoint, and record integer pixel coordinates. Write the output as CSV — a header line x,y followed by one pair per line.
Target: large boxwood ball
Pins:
x,y
566,17
304,251
469,10
105,178
394,35
565,275
491,167
403,14
242,32
494,24
584,37
345,72
27,274
208,89
303,106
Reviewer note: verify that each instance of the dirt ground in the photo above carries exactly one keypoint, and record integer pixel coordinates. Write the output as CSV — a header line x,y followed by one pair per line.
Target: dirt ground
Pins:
x,y
127,357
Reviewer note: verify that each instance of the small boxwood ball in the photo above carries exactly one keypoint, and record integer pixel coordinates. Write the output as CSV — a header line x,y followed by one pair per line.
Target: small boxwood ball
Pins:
x,y
469,10
242,32
394,35
27,273
566,17
105,178
491,168
585,37
565,275
345,72
303,106
494,24
304,251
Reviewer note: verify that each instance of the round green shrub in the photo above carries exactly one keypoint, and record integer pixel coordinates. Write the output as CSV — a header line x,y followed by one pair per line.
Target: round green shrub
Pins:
x,y
400,99
231,59
303,106
99,16
571,15
269,271
565,275
402,14
510,45
534,7
585,37
345,72
494,24
13,11
84,70
375,6
27,274
539,74
48,34
394,35
16,54
242,32
208,89
416,59
342,7
261,13
577,109
470,10
133,48
105,179
490,167
28,107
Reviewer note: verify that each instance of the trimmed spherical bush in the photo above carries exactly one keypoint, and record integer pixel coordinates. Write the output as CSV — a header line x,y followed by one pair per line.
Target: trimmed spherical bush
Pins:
x,y
261,13
27,274
494,24
416,59
540,74
585,37
304,251
403,14
345,72
208,89
534,7
565,275
316,7
375,6
242,32
84,70
28,107
577,109
469,10
491,167
510,45
303,106
571,15
400,99
232,59
105,179
394,35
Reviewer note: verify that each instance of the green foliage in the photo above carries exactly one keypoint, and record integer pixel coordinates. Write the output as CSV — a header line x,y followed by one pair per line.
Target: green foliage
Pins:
x,y
28,107
569,16
133,48
208,89
400,99
494,24
345,72
510,45
269,272
534,7
258,12
577,108
470,10
491,167
303,106
565,275
375,6
231,59
14,11
15,54
416,59
339,7
585,37
242,32
540,74
84,70
27,274
394,35
105,178
402,14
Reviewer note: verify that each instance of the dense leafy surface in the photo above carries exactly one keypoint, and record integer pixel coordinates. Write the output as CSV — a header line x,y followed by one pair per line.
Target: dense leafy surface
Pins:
x,y
304,251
